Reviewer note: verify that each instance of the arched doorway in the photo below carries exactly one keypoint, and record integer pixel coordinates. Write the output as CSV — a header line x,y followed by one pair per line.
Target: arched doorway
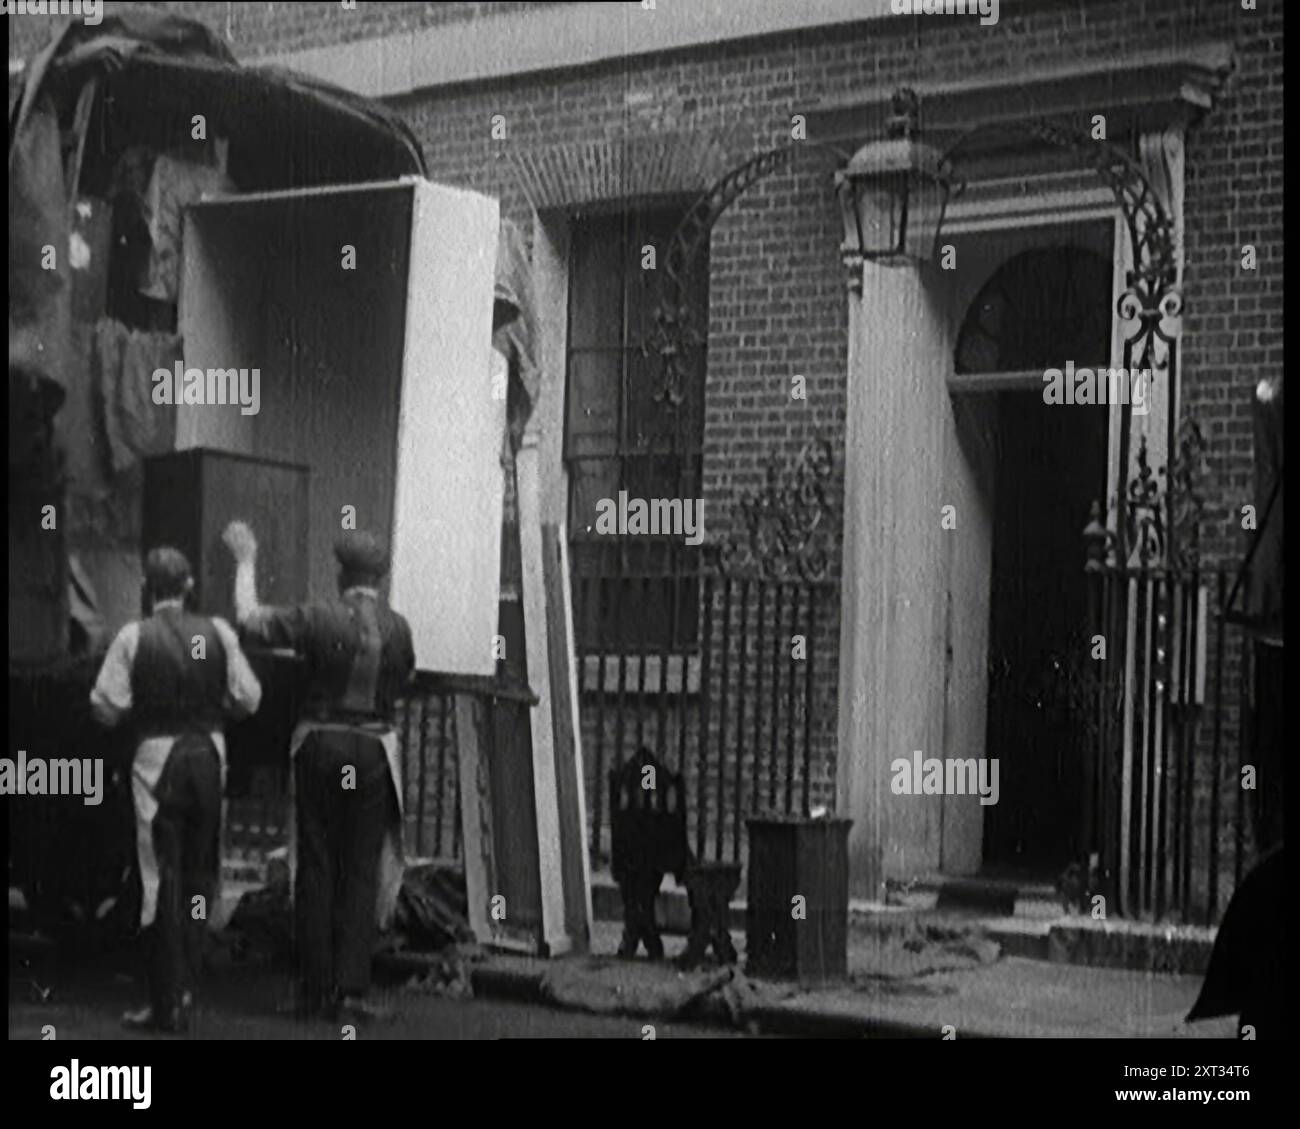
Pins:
x,y
1041,309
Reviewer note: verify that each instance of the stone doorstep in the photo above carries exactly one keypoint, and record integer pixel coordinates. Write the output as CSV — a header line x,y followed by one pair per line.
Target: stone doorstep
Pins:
x,y
1026,919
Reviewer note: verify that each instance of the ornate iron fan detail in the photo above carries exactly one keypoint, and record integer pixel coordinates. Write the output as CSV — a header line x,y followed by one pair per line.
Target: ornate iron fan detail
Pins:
x,y
784,527
1152,280
1151,299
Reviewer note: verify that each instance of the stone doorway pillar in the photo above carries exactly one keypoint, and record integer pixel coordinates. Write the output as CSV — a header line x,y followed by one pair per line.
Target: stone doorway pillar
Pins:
x,y
893,615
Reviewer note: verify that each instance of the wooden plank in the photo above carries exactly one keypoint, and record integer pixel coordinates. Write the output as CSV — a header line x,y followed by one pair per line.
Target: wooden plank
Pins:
x,y
505,689
551,296
571,797
476,818
536,629
244,199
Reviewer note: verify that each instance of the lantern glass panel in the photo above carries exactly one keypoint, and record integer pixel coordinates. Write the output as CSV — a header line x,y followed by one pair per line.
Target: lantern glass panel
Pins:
x,y
880,209
847,192
926,201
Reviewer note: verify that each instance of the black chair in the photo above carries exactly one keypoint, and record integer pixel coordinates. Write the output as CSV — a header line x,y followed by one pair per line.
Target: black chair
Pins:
x,y
647,803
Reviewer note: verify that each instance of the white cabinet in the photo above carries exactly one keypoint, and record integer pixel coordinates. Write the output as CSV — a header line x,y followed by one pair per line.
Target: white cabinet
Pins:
x,y
362,316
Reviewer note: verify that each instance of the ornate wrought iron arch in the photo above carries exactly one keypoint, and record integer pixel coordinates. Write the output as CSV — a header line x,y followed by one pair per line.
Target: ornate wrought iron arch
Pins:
x,y
1148,515
1151,297
674,323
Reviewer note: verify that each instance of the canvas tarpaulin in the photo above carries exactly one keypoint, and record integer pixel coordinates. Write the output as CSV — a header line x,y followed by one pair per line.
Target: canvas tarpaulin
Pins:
x,y
285,130
39,286
514,329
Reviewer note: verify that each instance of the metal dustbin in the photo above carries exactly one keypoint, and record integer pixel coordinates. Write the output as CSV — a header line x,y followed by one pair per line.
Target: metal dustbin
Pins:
x,y
794,857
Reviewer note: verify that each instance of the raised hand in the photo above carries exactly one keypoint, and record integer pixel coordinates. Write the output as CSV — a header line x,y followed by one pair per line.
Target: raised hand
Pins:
x,y
239,539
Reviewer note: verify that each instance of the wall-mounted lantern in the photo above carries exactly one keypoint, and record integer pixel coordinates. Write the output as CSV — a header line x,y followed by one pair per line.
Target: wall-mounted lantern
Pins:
x,y
892,193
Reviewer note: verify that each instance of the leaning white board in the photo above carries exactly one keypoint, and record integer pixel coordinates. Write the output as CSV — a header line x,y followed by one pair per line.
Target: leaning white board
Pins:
x,y
449,483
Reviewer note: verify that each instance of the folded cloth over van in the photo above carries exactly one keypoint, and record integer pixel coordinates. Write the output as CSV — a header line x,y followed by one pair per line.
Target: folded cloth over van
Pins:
x,y
123,364
514,327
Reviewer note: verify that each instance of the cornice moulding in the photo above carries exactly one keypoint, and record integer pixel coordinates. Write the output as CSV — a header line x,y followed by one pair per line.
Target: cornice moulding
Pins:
x,y
1154,90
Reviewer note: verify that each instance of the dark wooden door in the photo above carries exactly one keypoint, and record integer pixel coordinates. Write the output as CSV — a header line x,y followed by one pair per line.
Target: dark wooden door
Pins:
x,y
1051,464
1043,308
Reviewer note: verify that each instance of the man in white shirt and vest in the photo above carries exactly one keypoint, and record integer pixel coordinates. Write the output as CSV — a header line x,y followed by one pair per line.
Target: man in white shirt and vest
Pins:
x,y
175,677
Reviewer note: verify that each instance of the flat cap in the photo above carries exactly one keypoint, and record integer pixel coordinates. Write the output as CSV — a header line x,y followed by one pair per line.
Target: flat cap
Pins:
x,y
361,553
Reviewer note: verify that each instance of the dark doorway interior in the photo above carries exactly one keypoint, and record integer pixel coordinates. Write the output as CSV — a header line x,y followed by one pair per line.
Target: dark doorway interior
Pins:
x,y
1051,464
1043,308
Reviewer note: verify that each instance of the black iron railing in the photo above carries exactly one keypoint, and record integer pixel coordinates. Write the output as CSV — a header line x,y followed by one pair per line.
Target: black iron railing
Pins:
x,y
426,727
1173,719
746,711
257,814
743,703
743,717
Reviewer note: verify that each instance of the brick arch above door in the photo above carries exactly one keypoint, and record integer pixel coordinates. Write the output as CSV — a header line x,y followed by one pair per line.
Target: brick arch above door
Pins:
x,y
584,172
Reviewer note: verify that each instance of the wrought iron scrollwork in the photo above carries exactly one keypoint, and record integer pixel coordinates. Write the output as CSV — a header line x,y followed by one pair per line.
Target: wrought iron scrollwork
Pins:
x,y
1189,473
1178,502
1151,300
675,329
1145,529
1151,294
1149,524
1151,283
784,528
1151,516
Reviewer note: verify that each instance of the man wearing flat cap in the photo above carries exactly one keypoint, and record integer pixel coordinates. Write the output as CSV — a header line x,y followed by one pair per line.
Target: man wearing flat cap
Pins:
x,y
346,764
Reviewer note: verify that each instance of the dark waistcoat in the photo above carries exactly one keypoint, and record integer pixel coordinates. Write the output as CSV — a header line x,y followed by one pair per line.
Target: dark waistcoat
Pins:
x,y
357,652
172,690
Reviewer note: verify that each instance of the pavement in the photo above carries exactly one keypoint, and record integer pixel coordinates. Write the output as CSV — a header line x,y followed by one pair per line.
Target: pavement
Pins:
x,y
914,971
948,982
930,980
85,1001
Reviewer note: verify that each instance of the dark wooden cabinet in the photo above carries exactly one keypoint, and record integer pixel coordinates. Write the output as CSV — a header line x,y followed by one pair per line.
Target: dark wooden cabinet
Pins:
x,y
189,499
191,496
791,857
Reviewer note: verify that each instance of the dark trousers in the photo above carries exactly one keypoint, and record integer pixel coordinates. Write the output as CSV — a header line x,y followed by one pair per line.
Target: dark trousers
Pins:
x,y
186,830
341,826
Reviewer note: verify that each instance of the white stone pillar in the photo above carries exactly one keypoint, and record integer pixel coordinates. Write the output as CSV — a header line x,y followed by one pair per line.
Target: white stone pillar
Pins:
x,y
894,570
